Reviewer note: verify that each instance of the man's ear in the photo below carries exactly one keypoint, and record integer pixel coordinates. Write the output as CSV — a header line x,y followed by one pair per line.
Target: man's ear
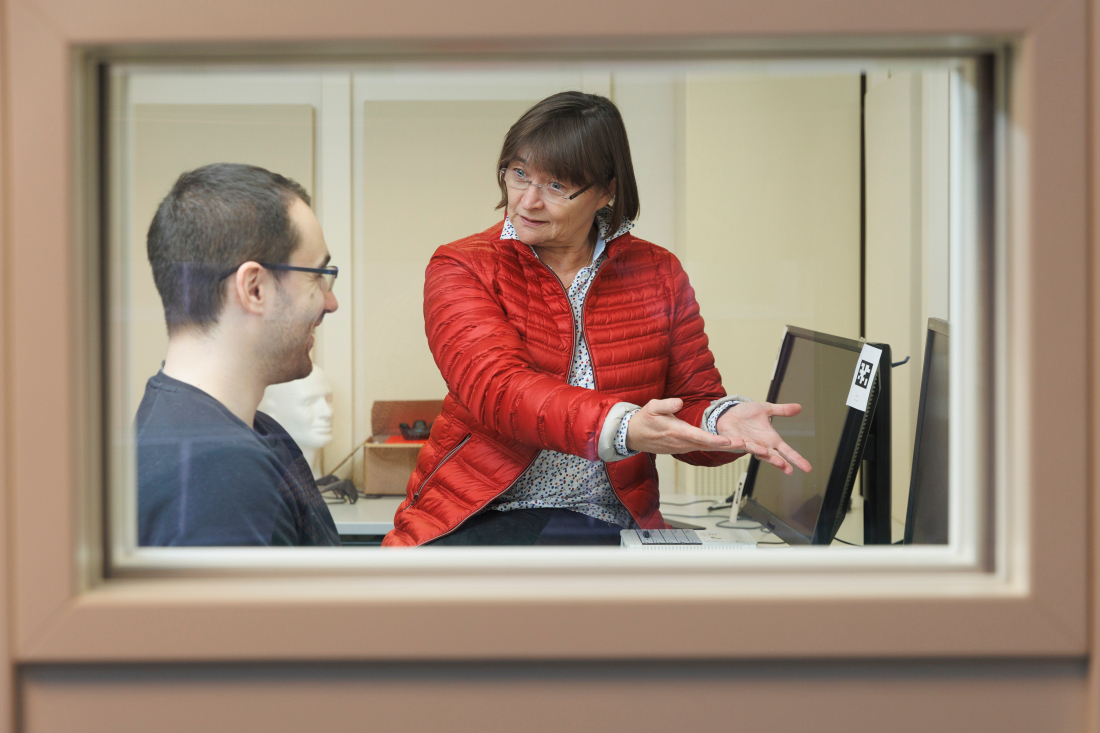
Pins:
x,y
251,287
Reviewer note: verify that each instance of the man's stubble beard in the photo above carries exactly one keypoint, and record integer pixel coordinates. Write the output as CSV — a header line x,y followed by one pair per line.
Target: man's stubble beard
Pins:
x,y
286,356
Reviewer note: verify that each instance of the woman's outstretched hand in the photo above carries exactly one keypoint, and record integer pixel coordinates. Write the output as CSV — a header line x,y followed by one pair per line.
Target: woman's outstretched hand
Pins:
x,y
656,429
750,423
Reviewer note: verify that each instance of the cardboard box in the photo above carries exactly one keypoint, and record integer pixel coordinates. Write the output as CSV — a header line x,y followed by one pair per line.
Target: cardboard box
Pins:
x,y
388,466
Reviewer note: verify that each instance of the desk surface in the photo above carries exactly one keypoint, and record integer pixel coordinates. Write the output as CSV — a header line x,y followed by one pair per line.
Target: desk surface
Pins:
x,y
684,508
368,516
374,516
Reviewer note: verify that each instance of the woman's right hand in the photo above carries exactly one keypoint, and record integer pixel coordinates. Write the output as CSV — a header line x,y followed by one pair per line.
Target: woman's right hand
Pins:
x,y
656,429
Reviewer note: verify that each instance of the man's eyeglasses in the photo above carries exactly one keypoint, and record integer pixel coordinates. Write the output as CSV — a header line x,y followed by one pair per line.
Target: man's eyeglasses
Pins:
x,y
552,193
328,274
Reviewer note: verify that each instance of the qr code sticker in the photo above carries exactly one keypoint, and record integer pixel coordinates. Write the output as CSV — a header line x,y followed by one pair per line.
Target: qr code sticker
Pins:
x,y
863,374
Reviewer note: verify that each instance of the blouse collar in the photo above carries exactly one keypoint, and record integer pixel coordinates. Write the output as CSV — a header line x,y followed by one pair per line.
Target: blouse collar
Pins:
x,y
603,224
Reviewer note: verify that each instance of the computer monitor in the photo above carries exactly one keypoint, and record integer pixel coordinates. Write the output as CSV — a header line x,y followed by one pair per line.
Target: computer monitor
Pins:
x,y
926,516
816,370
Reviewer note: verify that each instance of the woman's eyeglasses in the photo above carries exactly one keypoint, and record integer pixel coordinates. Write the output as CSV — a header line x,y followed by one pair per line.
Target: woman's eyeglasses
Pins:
x,y
552,193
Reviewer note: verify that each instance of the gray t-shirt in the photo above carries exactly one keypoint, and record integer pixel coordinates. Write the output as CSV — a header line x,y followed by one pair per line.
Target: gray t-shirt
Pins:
x,y
206,478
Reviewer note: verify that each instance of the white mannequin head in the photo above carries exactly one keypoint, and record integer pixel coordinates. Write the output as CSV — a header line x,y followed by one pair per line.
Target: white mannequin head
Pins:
x,y
304,408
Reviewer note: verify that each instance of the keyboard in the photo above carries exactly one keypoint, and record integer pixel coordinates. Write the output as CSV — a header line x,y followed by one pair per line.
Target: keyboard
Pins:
x,y
688,539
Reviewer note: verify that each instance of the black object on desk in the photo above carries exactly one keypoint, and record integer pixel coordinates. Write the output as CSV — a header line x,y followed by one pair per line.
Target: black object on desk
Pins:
x,y
419,430
341,489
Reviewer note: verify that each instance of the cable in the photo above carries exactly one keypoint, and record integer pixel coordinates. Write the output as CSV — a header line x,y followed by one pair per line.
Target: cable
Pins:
x,y
347,457
724,524
755,527
850,544
687,503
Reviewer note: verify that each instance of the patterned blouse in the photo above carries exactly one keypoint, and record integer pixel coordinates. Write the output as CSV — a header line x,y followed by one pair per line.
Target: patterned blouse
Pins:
x,y
562,481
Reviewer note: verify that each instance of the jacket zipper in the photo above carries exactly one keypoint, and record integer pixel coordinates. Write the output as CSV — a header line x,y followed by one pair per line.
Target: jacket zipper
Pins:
x,y
595,382
446,458
596,387
572,319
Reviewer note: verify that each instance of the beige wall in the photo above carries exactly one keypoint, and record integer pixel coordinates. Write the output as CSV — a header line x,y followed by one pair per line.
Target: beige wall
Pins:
x,y
770,221
165,140
907,240
429,179
772,210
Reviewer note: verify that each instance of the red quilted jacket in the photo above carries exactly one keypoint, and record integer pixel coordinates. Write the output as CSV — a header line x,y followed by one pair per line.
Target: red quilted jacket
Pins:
x,y
501,330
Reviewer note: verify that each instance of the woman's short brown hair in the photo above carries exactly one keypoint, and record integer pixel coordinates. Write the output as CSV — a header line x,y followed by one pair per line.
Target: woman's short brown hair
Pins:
x,y
579,139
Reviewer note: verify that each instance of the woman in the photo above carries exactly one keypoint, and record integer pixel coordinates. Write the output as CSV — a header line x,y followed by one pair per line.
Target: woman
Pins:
x,y
571,350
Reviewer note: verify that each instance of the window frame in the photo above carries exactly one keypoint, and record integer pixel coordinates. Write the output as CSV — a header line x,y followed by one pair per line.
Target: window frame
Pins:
x,y
66,610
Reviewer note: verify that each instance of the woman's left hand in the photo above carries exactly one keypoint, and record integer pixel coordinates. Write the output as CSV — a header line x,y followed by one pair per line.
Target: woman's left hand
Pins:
x,y
752,422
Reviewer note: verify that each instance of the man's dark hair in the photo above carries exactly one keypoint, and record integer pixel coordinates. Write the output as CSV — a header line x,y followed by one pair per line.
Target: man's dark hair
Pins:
x,y
213,220
579,139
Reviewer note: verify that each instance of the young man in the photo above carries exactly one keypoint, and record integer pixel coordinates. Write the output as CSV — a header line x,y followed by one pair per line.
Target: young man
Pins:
x,y
240,263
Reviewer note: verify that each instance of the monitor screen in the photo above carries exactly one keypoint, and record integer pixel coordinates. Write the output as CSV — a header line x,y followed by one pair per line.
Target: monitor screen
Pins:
x,y
926,518
815,370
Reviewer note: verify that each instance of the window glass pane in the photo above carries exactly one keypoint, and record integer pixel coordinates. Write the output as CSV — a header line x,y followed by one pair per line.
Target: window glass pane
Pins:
x,y
812,196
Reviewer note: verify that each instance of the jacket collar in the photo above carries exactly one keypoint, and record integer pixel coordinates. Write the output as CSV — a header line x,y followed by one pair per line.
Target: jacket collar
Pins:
x,y
603,224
